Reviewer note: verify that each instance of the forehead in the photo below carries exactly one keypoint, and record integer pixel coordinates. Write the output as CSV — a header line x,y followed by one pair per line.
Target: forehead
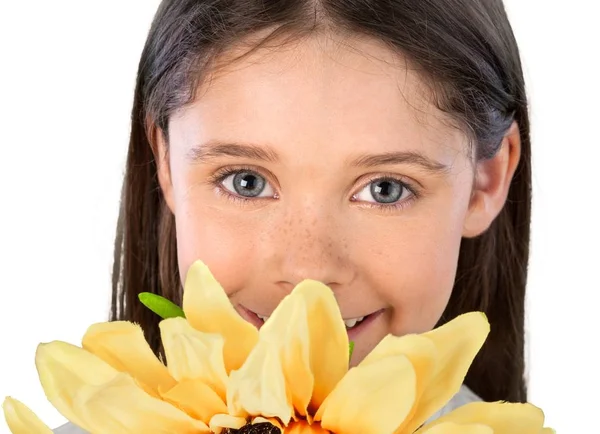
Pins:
x,y
326,90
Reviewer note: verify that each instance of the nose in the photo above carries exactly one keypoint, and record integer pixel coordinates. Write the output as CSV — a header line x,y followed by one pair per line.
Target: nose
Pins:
x,y
310,243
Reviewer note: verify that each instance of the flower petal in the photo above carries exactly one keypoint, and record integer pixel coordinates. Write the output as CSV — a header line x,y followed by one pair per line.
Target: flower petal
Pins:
x,y
454,428
502,417
309,362
221,421
122,345
327,341
98,398
457,343
208,309
258,388
120,407
197,399
21,420
418,349
194,355
287,333
375,398
64,368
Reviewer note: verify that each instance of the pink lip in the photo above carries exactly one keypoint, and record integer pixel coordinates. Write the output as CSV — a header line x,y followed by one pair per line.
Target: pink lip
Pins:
x,y
250,316
357,329
253,319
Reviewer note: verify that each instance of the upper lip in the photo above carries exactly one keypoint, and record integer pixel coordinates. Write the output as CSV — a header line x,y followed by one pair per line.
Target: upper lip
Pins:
x,y
363,316
356,317
345,318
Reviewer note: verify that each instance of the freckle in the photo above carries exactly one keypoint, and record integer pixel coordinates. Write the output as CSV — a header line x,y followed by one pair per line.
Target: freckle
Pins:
x,y
285,227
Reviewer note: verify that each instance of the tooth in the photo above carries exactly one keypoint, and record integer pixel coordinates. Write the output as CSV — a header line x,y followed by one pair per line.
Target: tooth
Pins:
x,y
352,322
264,318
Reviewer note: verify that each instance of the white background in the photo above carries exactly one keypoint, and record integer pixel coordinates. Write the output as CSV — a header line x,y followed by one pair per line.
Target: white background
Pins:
x,y
67,70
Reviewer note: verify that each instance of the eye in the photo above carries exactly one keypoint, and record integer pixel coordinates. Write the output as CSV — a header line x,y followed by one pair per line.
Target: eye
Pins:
x,y
247,184
384,191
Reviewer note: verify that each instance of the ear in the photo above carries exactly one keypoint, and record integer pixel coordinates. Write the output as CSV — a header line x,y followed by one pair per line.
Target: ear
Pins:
x,y
493,178
160,149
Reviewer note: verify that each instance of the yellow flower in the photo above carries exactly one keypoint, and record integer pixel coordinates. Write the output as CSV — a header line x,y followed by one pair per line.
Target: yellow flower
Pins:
x,y
115,384
21,420
297,376
222,373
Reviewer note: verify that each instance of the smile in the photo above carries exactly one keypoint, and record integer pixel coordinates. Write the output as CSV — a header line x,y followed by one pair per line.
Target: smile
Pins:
x,y
353,325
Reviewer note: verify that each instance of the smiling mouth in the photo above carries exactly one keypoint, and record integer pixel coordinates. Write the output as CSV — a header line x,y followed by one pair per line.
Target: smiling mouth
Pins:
x,y
351,323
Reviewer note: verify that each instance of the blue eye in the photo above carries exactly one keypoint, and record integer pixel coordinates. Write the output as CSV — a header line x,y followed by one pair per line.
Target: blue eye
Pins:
x,y
247,184
384,191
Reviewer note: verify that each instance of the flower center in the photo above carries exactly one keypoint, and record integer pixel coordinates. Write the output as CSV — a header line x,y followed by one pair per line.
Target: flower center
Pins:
x,y
257,428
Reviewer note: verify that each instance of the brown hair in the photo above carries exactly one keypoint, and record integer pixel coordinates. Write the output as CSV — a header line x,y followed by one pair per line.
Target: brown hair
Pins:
x,y
467,52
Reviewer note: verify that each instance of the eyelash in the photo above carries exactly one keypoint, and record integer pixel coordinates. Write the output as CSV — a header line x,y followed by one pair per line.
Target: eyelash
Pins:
x,y
216,180
391,207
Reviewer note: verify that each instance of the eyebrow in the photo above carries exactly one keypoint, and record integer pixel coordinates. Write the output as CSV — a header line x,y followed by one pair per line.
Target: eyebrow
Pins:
x,y
405,157
216,149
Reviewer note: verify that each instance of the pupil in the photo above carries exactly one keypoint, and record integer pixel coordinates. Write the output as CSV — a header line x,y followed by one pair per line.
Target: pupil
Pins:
x,y
387,191
248,184
384,188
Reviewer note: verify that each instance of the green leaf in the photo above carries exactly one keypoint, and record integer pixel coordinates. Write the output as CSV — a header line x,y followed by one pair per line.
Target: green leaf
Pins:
x,y
351,348
160,305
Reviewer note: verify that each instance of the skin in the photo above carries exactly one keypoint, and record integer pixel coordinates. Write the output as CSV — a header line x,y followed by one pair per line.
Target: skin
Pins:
x,y
315,107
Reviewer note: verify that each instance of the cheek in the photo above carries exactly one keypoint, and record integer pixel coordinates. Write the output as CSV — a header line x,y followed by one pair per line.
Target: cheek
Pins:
x,y
204,233
414,267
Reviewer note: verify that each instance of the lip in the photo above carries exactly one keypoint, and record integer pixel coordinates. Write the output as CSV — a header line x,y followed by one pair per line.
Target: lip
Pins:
x,y
252,318
357,329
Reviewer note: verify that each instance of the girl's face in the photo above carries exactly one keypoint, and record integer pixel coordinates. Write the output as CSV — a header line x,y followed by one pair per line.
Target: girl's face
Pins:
x,y
326,161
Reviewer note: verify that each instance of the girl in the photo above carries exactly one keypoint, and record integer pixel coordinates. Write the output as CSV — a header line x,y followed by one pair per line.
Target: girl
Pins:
x,y
381,147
